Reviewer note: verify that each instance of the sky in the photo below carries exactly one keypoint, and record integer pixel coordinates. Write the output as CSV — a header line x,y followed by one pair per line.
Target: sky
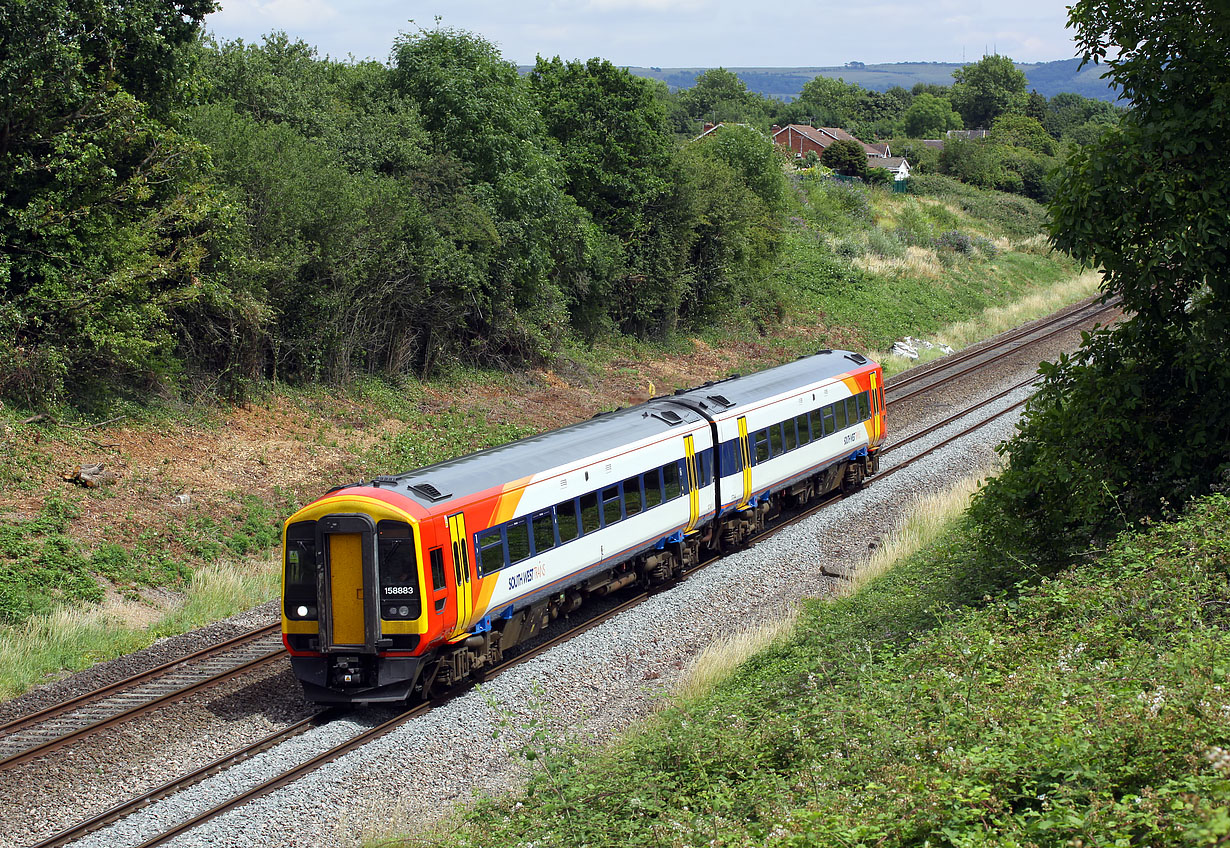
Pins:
x,y
675,33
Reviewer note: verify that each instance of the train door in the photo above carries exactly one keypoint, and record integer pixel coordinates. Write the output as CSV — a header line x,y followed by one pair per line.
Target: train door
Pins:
x,y
689,449
350,615
461,569
876,408
745,462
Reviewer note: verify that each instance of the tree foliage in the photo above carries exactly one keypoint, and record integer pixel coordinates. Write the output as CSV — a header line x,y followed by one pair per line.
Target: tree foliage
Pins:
x,y
1139,418
103,224
846,157
988,88
929,116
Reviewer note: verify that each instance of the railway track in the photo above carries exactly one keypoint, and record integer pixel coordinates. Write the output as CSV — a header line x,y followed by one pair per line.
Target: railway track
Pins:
x,y
34,735
288,776
16,744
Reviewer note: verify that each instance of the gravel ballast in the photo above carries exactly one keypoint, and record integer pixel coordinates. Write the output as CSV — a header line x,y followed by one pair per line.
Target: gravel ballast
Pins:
x,y
591,687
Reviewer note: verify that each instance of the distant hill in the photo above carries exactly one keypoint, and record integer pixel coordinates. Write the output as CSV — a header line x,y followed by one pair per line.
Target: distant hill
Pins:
x,y
1047,78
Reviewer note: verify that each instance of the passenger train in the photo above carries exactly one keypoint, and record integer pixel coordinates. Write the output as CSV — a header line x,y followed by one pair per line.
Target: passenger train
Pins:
x,y
403,585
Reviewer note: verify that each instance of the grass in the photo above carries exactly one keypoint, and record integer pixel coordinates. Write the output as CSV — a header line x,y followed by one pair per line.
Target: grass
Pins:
x,y
72,637
948,702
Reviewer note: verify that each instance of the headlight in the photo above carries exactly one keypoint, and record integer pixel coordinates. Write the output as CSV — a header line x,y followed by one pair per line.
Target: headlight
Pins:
x,y
404,612
305,611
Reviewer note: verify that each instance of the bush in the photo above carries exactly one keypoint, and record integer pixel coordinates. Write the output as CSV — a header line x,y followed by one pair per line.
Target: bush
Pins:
x,y
954,240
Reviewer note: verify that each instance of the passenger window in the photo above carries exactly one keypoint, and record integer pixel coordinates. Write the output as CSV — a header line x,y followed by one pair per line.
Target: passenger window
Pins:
x,y
792,440
632,495
518,533
653,488
851,412
817,425
566,521
706,468
589,512
804,434
670,481
610,506
436,557
490,551
762,445
864,411
544,531
775,440
839,412
830,423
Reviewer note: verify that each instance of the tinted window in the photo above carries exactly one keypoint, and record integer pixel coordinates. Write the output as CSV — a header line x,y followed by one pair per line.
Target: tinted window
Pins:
x,y
300,565
792,440
653,488
518,533
544,531
851,412
399,571
762,445
610,506
670,481
589,512
490,551
804,433
839,412
817,425
830,423
437,568
775,440
566,521
864,412
706,468
632,495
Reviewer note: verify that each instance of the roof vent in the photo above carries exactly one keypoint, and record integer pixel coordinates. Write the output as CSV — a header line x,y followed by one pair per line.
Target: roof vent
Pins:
x,y
824,350
722,401
856,357
384,479
427,490
669,416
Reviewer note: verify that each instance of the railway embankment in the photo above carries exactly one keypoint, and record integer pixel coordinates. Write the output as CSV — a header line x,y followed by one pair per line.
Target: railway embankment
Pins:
x,y
952,694
182,534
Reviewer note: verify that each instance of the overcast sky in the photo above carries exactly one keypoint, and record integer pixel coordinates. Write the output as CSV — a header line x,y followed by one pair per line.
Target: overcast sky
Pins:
x,y
676,33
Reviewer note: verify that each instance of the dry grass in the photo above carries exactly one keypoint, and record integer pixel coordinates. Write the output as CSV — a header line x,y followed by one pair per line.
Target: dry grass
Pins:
x,y
71,638
925,520
1000,319
724,655
917,262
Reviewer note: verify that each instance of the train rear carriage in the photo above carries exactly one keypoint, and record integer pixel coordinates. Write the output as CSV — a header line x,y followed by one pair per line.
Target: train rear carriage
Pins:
x,y
417,580
791,432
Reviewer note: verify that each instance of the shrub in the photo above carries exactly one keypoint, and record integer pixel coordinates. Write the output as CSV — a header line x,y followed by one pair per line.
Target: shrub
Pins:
x,y
954,240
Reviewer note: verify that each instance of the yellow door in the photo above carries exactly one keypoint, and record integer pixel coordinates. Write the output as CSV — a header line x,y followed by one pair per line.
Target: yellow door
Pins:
x,y
745,459
689,449
346,587
461,569
875,409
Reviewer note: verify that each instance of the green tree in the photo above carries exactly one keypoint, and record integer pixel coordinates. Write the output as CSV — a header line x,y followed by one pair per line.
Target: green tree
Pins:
x,y
930,116
618,159
988,88
104,223
846,157
1139,418
718,95
1022,131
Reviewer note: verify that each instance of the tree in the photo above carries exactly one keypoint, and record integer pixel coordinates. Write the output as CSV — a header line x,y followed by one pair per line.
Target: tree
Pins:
x,y
104,222
846,157
930,116
988,88
717,95
1138,420
1022,131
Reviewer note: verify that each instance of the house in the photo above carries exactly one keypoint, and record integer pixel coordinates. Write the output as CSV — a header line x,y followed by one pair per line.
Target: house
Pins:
x,y
802,138
895,165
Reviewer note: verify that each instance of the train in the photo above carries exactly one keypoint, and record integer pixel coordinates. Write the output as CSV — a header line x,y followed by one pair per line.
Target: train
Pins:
x,y
402,586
